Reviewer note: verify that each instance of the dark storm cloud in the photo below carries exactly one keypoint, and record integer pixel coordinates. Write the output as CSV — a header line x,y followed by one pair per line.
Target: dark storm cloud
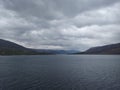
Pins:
x,y
60,24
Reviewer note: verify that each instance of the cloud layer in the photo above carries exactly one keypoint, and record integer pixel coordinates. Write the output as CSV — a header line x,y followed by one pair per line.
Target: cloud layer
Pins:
x,y
60,24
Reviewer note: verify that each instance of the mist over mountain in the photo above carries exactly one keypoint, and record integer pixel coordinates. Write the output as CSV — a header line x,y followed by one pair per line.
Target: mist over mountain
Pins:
x,y
11,48
53,51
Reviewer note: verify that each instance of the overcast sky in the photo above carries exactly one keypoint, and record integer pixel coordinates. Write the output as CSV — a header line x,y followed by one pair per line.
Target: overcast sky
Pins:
x,y
60,24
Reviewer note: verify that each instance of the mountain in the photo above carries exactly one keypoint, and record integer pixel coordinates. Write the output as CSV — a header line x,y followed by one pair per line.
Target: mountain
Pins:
x,y
56,51
10,48
107,49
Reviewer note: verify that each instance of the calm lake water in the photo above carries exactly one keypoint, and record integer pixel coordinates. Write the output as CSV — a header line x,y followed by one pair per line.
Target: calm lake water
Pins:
x,y
60,72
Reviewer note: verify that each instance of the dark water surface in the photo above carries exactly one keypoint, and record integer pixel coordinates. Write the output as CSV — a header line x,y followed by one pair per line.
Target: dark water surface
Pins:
x,y
60,72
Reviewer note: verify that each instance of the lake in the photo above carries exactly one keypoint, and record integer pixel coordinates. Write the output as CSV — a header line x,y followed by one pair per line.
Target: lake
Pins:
x,y
60,72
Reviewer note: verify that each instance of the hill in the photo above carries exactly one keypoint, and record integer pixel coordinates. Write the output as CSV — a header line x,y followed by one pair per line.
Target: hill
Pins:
x,y
107,49
11,48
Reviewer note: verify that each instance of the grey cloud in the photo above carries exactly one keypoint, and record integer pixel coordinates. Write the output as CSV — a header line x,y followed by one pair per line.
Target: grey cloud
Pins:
x,y
60,24
31,8
51,9
72,7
